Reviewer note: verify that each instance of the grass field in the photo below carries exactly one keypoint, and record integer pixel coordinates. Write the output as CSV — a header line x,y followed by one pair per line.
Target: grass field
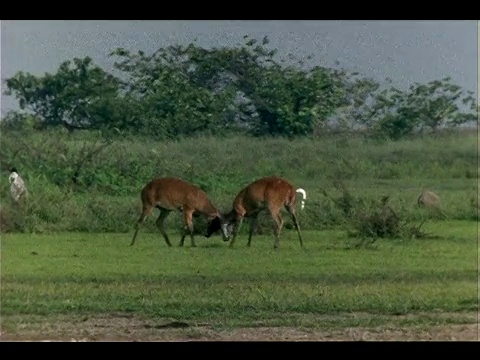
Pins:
x,y
94,286
67,271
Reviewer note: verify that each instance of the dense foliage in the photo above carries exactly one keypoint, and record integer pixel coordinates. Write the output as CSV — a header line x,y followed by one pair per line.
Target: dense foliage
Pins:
x,y
183,91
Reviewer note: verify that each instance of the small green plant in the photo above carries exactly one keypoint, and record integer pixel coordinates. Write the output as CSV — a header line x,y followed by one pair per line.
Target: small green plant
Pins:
x,y
372,219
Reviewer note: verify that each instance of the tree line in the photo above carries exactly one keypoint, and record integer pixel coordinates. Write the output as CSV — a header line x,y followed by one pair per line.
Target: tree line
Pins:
x,y
181,91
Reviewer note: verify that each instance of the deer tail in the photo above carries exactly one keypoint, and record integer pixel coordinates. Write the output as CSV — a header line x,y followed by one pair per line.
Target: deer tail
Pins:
x,y
304,197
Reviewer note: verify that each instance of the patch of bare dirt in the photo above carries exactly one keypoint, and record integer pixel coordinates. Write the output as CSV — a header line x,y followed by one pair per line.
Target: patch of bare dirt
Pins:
x,y
133,328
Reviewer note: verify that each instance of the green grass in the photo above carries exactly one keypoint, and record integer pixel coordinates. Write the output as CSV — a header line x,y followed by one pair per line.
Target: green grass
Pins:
x,y
75,273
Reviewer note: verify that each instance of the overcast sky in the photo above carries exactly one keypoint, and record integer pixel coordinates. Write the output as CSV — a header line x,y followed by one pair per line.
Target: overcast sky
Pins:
x,y
406,51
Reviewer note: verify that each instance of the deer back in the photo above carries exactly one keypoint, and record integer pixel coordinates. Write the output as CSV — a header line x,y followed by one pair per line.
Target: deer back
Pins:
x,y
267,191
173,193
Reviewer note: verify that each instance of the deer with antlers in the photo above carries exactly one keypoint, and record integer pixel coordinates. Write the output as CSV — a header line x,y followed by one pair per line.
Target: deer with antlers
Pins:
x,y
269,193
169,194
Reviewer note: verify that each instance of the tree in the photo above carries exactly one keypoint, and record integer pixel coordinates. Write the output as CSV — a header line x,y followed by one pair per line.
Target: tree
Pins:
x,y
395,113
357,96
172,103
80,95
440,103
271,99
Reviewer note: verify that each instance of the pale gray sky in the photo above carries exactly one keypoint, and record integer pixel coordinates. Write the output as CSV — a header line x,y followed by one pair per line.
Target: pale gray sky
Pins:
x,y
406,51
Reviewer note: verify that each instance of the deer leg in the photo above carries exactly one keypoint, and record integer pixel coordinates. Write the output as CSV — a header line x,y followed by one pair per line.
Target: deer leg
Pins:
x,y
277,218
188,229
160,224
292,213
253,226
236,229
147,210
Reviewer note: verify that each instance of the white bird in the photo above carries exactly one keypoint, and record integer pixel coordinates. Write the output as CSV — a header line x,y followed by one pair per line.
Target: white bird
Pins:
x,y
18,189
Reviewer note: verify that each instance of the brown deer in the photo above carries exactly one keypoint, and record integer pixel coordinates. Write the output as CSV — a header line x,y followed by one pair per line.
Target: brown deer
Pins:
x,y
169,194
270,193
